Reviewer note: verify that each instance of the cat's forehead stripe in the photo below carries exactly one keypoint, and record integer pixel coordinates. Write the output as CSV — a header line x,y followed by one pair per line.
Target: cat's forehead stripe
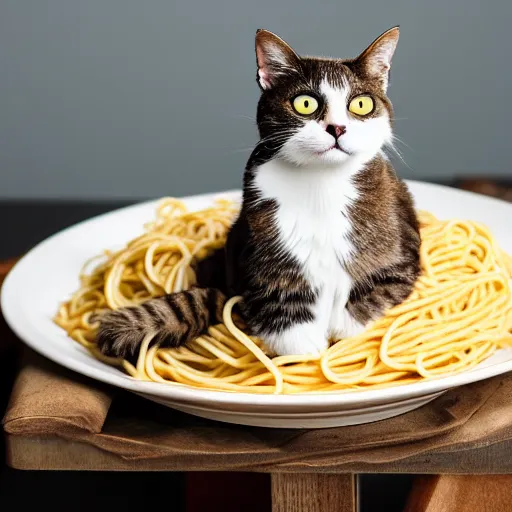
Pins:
x,y
336,97
339,83
332,71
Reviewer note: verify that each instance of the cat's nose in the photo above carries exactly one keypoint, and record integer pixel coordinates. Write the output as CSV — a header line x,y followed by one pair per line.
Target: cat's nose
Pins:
x,y
336,130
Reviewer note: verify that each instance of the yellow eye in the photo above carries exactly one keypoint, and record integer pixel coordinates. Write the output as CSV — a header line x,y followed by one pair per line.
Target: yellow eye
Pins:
x,y
361,105
305,104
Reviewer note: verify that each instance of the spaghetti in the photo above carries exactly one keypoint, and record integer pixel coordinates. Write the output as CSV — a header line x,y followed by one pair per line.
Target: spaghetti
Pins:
x,y
459,313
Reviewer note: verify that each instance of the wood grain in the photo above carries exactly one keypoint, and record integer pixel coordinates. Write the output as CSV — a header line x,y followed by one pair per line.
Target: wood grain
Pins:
x,y
313,493
452,493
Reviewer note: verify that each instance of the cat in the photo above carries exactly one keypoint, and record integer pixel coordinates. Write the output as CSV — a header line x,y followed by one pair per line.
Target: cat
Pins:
x,y
327,238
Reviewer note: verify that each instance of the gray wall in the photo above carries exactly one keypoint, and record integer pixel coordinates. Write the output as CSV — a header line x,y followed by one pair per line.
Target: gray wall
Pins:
x,y
135,99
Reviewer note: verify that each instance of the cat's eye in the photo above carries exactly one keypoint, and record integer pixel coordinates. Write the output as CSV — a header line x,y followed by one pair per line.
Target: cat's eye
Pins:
x,y
361,105
305,104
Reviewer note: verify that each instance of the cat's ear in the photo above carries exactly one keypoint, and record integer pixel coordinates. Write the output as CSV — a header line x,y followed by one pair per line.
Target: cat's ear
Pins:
x,y
274,57
376,59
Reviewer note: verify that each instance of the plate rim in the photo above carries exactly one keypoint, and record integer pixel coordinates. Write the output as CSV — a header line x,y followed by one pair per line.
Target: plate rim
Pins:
x,y
29,334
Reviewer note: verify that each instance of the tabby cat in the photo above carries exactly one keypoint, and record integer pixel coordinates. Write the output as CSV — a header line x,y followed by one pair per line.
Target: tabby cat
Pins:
x,y
327,237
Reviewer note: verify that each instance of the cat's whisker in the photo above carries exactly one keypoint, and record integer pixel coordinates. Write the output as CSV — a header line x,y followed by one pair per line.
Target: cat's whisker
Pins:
x,y
244,116
275,136
285,133
282,138
393,150
398,139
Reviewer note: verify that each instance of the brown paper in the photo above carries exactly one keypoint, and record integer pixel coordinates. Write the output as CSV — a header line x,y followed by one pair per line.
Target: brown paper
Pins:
x,y
48,400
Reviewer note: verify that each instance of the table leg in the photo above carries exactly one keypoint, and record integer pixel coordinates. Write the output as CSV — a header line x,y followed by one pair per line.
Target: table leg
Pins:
x,y
313,492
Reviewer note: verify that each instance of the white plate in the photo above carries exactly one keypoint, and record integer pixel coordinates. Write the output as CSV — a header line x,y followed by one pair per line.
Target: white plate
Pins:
x,y
48,274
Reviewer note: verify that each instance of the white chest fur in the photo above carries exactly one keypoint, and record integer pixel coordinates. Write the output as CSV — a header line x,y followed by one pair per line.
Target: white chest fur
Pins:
x,y
314,226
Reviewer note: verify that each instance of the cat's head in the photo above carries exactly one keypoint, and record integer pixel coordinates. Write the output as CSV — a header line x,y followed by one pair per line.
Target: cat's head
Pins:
x,y
315,111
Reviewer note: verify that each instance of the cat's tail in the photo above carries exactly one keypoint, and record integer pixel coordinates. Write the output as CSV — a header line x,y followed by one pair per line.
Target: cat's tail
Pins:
x,y
172,320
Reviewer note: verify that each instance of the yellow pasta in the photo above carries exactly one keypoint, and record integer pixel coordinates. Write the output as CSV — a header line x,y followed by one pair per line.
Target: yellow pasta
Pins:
x,y
459,313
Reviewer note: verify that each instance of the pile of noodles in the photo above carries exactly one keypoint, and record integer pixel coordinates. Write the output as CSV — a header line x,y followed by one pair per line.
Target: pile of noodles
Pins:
x,y
459,314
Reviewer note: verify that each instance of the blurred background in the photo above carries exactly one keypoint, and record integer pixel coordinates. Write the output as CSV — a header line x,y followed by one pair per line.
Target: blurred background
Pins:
x,y
125,100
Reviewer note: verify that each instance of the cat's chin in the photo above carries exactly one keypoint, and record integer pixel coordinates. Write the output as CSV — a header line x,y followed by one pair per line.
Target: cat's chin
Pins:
x,y
332,156
328,158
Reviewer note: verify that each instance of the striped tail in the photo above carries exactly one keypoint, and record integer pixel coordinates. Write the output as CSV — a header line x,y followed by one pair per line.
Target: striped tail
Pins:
x,y
173,319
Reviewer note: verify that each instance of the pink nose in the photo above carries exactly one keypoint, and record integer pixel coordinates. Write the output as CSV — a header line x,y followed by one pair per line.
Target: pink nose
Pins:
x,y
335,130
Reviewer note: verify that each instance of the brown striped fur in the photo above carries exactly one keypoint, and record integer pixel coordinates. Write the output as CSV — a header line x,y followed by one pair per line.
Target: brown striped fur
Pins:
x,y
386,235
172,319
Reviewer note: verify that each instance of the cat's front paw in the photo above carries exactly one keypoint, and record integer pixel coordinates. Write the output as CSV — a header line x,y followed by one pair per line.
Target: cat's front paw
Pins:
x,y
344,325
301,339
